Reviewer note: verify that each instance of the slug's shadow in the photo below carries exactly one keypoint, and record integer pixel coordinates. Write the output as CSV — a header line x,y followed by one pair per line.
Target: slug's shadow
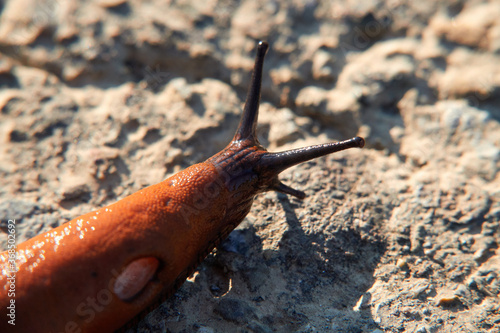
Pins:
x,y
329,269
245,286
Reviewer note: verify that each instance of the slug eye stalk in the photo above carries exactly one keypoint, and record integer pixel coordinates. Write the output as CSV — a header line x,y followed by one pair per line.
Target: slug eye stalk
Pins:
x,y
271,164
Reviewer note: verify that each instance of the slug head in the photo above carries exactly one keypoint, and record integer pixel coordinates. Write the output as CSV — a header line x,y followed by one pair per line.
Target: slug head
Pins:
x,y
247,167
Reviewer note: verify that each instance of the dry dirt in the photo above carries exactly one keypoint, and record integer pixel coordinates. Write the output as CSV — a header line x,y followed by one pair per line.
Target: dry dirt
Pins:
x,y
101,98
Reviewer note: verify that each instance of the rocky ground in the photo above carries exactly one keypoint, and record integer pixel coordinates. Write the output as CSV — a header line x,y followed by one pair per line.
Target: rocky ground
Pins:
x,y
101,98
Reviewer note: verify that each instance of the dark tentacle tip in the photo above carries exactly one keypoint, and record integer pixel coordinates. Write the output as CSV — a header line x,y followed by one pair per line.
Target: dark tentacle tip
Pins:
x,y
262,48
360,142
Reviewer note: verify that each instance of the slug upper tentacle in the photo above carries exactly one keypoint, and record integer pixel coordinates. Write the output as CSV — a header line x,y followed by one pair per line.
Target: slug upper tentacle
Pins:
x,y
248,124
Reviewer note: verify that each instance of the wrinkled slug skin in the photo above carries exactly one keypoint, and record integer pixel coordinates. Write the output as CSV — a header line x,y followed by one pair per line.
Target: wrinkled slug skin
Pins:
x,y
52,296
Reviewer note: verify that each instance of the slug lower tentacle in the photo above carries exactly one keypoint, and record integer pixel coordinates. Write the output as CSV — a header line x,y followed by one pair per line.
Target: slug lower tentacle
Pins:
x,y
97,272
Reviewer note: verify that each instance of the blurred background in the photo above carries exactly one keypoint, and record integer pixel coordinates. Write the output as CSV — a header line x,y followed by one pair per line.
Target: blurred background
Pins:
x,y
101,98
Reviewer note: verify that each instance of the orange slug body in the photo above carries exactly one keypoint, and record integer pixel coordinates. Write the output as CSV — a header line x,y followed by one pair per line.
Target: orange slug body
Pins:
x,y
102,243
97,272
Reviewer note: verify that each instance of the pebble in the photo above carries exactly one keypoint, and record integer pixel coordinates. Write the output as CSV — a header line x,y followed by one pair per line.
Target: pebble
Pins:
x,y
363,302
402,264
447,300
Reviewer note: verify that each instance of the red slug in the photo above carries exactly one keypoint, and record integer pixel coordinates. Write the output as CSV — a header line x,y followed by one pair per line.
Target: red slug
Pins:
x,y
97,272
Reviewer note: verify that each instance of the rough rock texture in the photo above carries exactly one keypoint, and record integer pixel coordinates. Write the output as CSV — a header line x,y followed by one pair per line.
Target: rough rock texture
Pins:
x,y
101,98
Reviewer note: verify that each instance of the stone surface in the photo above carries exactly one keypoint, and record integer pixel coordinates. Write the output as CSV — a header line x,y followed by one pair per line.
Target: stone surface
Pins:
x,y
101,98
